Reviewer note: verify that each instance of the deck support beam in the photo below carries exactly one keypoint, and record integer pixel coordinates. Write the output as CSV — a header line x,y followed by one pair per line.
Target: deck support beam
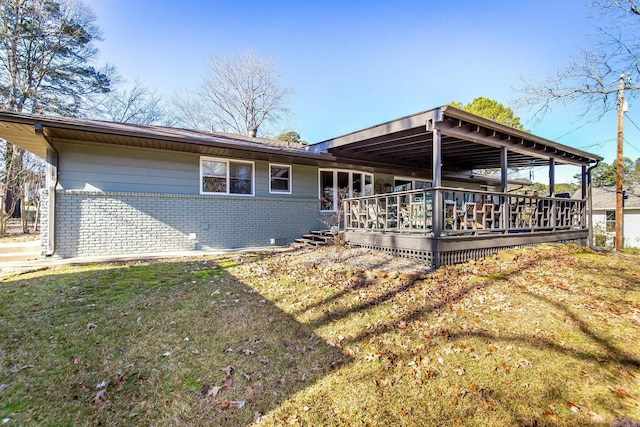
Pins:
x,y
552,177
438,201
504,156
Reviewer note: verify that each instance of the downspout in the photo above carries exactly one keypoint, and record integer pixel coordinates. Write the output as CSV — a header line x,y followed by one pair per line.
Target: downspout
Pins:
x,y
51,182
590,205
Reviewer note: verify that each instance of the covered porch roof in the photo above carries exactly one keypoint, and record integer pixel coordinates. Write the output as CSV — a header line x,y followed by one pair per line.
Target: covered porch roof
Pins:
x,y
467,142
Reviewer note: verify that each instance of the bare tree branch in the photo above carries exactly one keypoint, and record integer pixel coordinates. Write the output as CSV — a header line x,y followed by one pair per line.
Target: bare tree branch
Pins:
x,y
591,77
240,94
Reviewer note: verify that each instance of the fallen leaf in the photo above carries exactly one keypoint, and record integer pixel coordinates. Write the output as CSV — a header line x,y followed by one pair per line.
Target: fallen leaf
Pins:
x,y
213,391
551,417
228,383
91,326
248,392
228,350
248,352
166,354
228,370
100,397
573,407
239,404
103,384
622,394
460,371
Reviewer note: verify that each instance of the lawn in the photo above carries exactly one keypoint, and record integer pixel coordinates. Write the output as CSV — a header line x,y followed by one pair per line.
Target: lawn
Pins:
x,y
534,336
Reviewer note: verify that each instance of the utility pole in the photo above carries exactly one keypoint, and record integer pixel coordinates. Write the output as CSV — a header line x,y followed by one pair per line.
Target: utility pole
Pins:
x,y
619,195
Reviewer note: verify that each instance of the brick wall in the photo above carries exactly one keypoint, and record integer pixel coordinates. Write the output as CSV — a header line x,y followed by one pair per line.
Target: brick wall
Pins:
x,y
44,221
111,223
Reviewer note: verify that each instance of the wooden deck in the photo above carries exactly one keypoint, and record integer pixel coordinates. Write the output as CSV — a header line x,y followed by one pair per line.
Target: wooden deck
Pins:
x,y
452,225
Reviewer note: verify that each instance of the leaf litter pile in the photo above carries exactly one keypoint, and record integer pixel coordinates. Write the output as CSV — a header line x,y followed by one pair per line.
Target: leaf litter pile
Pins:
x,y
534,336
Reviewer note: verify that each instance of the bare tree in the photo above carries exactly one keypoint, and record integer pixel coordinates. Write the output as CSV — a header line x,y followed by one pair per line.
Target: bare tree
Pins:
x,y
599,78
240,94
22,178
591,78
138,105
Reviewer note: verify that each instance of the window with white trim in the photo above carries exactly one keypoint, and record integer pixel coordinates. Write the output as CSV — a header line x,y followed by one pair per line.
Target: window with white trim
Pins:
x,y
221,176
337,185
279,179
404,184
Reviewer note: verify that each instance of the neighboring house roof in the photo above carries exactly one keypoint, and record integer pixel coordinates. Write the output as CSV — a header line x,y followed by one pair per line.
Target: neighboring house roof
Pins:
x,y
605,197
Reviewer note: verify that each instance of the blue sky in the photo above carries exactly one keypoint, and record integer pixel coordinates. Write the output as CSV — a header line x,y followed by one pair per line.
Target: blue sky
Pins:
x,y
354,64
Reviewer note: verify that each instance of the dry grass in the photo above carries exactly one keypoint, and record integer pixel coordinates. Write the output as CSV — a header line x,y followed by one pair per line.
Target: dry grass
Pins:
x,y
14,233
545,336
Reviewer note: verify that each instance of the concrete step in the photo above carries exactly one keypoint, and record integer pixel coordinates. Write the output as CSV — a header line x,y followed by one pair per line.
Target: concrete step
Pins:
x,y
310,242
19,251
317,237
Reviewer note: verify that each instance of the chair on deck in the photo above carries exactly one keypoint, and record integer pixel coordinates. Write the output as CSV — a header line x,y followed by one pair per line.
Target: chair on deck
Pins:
x,y
470,219
358,218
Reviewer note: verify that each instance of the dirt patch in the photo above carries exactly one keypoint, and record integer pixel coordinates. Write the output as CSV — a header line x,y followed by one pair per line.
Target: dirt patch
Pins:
x,y
16,234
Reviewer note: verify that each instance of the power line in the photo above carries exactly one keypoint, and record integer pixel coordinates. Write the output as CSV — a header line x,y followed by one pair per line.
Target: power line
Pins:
x,y
599,144
631,120
631,145
579,127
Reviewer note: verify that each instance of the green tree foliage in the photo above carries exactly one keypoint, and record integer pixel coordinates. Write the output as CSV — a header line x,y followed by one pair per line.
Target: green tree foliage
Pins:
x,y
492,110
292,137
605,174
46,50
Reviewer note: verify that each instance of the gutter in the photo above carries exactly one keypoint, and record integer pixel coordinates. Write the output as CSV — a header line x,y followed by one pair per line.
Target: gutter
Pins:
x,y
51,182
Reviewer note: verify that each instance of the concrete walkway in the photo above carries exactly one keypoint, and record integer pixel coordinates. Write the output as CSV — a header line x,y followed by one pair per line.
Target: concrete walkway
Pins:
x,y
11,268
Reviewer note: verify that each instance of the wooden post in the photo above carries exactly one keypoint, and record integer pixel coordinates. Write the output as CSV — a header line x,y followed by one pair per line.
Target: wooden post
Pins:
x,y
619,209
552,177
506,206
438,200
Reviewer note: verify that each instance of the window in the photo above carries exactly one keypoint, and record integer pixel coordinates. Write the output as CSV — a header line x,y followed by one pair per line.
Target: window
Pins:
x,y
404,184
337,185
218,176
280,179
611,221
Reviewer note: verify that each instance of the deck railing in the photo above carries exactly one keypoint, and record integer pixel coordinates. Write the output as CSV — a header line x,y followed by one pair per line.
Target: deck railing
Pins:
x,y
461,212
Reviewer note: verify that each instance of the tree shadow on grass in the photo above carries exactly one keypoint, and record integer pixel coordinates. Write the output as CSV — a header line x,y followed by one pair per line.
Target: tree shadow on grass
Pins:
x,y
601,351
161,337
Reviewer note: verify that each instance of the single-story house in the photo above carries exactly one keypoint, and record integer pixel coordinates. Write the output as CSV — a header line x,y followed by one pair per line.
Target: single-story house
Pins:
x,y
410,186
604,214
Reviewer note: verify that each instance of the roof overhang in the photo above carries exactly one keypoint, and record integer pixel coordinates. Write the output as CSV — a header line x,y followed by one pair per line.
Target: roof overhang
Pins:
x,y
35,132
468,142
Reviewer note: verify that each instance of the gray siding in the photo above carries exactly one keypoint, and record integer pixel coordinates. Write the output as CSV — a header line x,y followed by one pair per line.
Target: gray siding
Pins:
x,y
94,167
